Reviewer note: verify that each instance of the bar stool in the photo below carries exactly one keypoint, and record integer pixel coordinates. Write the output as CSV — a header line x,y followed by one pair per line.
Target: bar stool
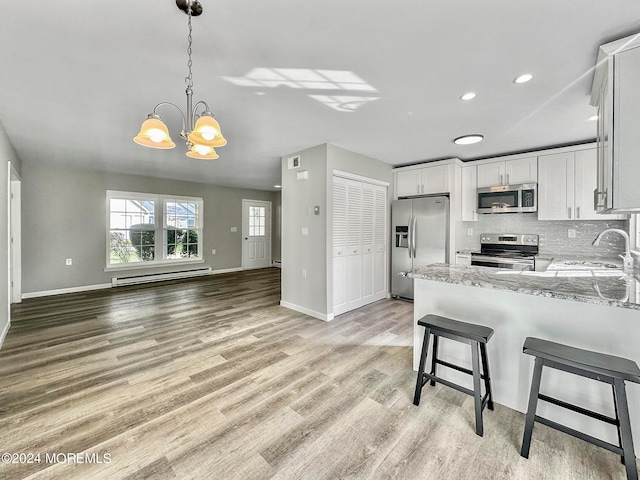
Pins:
x,y
597,366
477,337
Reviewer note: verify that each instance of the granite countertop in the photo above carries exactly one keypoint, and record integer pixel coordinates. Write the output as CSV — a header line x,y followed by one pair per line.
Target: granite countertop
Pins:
x,y
606,286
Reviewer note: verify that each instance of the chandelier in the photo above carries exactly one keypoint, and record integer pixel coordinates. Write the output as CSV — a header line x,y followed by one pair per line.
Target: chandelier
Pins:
x,y
201,132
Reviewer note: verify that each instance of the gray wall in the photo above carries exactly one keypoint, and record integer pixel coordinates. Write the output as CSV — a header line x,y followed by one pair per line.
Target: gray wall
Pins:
x,y
64,216
7,156
305,252
313,252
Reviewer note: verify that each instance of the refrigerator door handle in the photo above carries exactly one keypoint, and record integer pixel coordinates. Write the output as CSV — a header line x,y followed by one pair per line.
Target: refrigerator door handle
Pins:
x,y
413,239
410,232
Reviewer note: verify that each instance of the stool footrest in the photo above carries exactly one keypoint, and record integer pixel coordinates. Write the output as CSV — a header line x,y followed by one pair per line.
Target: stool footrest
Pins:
x,y
582,436
458,368
575,408
427,376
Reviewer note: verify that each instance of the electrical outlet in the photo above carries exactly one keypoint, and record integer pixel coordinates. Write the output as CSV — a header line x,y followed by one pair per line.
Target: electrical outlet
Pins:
x,y
304,273
305,231
469,232
572,233
69,261
213,252
234,229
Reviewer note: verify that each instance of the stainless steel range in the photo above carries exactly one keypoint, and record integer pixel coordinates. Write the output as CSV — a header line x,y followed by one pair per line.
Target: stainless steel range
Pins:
x,y
506,250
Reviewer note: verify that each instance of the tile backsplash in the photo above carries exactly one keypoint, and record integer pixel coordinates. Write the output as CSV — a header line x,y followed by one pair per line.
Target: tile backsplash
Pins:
x,y
554,236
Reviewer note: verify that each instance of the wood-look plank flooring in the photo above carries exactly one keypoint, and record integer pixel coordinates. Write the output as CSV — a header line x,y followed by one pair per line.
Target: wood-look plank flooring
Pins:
x,y
210,378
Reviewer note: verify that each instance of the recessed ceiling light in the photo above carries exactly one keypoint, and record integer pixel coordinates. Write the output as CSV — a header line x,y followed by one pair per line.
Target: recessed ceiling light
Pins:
x,y
523,78
277,186
468,96
468,139
593,118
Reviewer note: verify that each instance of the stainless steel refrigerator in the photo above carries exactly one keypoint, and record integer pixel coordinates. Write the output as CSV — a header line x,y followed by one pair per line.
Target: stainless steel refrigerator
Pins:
x,y
420,229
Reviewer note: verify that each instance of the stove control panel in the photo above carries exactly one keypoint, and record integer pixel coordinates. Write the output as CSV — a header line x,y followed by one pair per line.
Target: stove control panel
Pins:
x,y
508,239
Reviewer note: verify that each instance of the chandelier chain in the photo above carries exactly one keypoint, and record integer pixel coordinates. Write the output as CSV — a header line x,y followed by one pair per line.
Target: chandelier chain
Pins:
x,y
189,78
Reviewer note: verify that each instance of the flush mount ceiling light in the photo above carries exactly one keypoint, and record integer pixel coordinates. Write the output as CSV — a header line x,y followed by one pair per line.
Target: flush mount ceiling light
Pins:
x,y
468,96
201,132
468,139
523,78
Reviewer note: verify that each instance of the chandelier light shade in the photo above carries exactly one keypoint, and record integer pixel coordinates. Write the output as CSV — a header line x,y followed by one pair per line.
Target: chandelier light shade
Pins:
x,y
207,132
155,134
202,152
200,136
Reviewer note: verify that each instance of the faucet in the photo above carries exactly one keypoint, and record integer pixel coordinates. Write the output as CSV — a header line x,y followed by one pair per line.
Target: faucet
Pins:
x,y
627,259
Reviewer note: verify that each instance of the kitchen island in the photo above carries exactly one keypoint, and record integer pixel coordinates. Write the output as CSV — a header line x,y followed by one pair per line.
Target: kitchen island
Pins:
x,y
592,309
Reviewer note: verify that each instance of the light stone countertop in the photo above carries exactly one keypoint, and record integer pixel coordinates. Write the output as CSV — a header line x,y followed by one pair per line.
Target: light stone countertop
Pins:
x,y
601,286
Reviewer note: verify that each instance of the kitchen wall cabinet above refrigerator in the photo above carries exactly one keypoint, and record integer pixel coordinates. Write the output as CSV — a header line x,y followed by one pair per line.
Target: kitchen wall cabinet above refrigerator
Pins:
x,y
616,94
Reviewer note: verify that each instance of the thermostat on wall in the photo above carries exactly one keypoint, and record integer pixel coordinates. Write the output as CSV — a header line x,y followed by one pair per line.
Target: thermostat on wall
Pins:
x,y
293,162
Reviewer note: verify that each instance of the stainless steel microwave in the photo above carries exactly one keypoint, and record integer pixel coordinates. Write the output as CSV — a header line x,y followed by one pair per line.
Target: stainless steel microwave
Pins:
x,y
522,198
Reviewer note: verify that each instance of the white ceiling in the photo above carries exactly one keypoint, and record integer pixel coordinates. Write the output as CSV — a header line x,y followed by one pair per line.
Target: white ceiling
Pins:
x,y
77,78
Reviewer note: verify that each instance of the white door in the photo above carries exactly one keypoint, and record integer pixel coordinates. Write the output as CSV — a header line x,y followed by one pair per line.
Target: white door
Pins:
x,y
256,234
15,252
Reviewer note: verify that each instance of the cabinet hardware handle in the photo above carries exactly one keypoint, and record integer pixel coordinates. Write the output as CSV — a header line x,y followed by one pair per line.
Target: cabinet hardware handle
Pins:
x,y
570,212
577,212
501,178
507,179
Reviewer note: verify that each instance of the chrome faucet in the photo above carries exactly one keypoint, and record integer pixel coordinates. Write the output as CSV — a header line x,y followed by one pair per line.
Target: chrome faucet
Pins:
x,y
627,259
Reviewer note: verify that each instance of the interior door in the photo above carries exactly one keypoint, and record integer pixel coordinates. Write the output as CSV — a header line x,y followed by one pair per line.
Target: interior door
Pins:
x,y
256,234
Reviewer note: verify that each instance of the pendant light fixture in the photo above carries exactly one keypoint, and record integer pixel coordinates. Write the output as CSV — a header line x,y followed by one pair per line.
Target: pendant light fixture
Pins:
x,y
201,132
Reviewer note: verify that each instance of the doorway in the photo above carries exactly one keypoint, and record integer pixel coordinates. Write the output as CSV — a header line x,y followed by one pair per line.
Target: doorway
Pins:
x,y
256,234
15,254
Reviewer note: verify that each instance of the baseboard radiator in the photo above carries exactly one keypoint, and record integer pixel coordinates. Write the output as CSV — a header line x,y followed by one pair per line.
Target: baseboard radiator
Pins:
x,y
159,277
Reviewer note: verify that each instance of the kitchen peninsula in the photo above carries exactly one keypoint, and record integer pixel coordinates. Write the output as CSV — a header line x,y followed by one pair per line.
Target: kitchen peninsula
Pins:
x,y
591,309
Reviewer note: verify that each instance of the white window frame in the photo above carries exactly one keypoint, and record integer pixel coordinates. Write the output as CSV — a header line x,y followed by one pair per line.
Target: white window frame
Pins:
x,y
160,201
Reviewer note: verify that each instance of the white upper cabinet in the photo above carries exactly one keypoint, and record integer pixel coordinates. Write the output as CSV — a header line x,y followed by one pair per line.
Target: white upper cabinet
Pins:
x,y
616,94
565,186
468,201
422,181
508,172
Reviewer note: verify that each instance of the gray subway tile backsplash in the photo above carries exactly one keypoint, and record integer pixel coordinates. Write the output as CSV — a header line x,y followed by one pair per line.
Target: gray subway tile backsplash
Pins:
x,y
554,236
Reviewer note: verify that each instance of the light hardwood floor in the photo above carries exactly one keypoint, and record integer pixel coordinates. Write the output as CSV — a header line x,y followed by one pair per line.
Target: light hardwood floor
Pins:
x,y
211,379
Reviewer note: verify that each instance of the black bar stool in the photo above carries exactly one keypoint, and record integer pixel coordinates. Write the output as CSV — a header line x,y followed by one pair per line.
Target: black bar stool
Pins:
x,y
597,366
475,335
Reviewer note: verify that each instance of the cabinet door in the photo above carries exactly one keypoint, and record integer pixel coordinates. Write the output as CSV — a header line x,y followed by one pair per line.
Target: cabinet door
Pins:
x,y
409,183
435,179
586,177
555,187
523,170
468,200
491,174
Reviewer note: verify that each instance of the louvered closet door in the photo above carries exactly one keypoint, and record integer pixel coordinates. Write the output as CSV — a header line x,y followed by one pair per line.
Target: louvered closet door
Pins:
x,y
354,244
340,221
368,241
380,244
359,244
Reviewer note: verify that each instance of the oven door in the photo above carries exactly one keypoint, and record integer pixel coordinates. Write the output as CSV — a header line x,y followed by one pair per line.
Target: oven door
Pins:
x,y
503,262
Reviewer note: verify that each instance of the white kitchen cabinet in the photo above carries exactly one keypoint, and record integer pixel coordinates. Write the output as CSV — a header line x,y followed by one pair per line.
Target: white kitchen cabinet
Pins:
x,y
508,172
359,243
422,181
615,92
565,186
468,188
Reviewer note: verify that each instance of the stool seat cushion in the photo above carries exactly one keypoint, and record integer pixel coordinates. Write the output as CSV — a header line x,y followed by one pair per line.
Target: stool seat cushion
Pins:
x,y
479,333
599,363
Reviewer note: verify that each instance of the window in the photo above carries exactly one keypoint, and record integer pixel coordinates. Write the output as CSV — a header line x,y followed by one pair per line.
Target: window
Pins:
x,y
153,229
257,221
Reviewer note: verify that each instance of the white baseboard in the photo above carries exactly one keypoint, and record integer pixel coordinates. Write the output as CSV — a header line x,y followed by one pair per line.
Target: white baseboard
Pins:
x,y
86,288
60,291
4,332
320,316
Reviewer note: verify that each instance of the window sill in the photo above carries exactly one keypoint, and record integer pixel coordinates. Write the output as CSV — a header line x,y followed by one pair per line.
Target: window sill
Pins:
x,y
146,265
